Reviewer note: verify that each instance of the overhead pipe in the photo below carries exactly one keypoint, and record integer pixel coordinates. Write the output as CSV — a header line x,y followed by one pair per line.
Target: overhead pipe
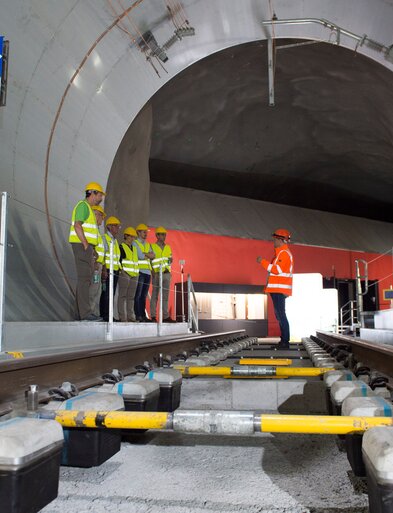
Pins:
x,y
251,371
217,422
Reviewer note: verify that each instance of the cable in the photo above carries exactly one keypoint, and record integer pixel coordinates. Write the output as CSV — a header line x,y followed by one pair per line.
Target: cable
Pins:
x,y
54,125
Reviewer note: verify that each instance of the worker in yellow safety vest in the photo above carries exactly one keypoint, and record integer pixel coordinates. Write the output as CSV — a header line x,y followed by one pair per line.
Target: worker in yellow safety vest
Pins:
x,y
128,277
113,226
279,283
96,288
84,239
162,259
145,255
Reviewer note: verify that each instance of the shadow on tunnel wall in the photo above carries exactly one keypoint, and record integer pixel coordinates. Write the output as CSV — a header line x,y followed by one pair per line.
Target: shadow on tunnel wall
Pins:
x,y
35,288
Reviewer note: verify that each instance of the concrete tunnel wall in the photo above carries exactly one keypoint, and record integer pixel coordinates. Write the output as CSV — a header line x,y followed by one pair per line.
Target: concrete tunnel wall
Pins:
x,y
48,42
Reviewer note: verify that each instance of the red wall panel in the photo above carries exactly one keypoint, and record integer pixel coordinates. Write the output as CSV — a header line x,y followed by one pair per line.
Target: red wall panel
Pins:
x,y
221,259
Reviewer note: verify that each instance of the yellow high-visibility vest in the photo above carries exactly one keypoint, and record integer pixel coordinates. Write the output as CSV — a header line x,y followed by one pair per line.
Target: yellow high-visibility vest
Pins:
x,y
130,262
162,257
89,226
116,253
145,248
100,248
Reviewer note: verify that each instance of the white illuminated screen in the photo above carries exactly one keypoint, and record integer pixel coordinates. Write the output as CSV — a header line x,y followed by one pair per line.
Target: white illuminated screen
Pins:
x,y
311,307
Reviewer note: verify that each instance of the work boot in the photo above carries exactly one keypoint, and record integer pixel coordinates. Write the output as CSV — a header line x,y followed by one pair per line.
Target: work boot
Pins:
x,y
168,319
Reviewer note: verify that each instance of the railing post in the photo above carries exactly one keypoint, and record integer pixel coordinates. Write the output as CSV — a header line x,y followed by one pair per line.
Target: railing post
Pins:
x,y
189,302
3,255
182,262
159,326
109,333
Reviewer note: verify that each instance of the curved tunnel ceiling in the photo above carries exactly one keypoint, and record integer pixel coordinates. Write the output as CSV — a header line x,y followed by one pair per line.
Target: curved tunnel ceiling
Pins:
x,y
326,145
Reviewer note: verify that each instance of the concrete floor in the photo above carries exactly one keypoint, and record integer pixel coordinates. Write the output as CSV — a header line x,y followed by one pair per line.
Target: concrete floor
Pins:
x,y
165,472
176,473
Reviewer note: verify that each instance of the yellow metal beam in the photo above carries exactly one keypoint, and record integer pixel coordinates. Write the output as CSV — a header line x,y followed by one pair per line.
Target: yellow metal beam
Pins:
x,y
206,421
320,424
203,371
252,372
265,361
113,419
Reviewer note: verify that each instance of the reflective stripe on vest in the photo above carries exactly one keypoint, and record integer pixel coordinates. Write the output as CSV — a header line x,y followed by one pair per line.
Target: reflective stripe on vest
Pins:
x,y
162,256
100,250
116,253
145,248
130,262
90,227
280,283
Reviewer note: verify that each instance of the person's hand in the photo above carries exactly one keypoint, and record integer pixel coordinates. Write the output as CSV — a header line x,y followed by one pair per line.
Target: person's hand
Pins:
x,y
170,260
104,274
85,246
150,255
259,259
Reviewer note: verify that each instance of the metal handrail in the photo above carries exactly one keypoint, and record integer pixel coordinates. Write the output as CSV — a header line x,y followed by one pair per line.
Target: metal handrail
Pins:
x,y
192,312
3,255
351,312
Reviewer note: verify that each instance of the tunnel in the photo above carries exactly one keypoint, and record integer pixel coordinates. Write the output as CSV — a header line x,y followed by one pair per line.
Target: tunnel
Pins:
x,y
186,135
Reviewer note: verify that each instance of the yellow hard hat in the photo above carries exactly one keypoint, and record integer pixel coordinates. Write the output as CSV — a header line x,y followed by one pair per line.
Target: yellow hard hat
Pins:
x,y
141,227
161,229
94,186
100,209
130,231
112,220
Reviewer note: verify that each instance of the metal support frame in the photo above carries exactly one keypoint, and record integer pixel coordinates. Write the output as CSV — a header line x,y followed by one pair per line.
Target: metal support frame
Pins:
x,y
159,325
3,255
360,40
181,263
192,315
109,331
359,291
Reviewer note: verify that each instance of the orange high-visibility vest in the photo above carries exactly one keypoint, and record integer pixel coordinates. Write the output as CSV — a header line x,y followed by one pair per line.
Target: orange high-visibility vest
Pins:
x,y
280,271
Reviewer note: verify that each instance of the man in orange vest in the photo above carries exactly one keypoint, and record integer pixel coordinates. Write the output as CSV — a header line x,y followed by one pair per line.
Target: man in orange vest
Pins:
x,y
279,282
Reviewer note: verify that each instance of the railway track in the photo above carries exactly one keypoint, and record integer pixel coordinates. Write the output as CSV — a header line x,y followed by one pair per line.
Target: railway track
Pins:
x,y
375,356
84,367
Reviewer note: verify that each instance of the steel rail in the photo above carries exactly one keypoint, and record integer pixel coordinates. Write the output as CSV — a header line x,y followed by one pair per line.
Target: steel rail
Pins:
x,y
84,367
376,356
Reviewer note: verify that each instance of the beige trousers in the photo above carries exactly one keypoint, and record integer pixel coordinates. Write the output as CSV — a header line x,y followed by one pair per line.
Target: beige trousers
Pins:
x,y
166,282
125,303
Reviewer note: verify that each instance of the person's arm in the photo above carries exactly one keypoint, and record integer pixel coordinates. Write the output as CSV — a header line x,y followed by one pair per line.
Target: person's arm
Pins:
x,y
122,253
80,233
280,265
81,214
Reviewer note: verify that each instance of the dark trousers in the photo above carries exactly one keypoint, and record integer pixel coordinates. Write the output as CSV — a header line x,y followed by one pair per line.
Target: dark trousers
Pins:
x,y
104,300
84,262
141,292
281,316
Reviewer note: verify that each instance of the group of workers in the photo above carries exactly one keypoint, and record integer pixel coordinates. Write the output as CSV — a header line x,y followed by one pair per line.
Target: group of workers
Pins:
x,y
136,263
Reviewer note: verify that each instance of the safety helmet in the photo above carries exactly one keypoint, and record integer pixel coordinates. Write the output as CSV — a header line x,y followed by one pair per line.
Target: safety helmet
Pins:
x,y
130,231
112,220
282,233
100,209
160,229
141,227
94,186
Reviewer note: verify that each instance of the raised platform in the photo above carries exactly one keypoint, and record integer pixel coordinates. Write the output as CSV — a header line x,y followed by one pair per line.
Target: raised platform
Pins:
x,y
380,336
30,336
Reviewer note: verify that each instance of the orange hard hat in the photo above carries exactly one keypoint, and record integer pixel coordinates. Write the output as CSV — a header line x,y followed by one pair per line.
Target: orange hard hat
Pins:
x,y
282,233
